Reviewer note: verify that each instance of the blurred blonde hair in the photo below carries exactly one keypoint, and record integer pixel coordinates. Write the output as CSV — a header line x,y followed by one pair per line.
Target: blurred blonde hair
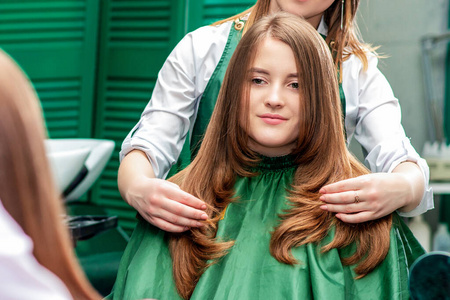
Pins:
x,y
27,190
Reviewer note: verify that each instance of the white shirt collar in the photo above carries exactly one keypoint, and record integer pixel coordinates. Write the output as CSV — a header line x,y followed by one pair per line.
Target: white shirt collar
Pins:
x,y
323,27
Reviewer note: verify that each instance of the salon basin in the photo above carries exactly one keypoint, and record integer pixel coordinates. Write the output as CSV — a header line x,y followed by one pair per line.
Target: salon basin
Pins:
x,y
77,163
66,161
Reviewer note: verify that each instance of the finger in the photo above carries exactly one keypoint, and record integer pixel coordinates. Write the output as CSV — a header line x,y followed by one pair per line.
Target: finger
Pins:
x,y
179,220
351,184
340,198
166,226
181,210
344,208
186,198
360,217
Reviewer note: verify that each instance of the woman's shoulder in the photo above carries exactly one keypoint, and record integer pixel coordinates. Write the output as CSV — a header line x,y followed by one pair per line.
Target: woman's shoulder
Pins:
x,y
204,41
355,62
361,68
212,31
210,35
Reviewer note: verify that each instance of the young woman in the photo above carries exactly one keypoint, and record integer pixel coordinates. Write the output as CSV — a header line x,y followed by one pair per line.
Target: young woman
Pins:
x,y
275,138
35,245
186,92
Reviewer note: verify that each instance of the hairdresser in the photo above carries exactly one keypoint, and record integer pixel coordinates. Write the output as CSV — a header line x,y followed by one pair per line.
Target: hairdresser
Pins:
x,y
186,92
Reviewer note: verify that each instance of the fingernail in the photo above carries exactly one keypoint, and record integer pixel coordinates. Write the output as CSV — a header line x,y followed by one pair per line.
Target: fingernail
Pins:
x,y
204,216
198,224
322,198
203,207
322,191
324,207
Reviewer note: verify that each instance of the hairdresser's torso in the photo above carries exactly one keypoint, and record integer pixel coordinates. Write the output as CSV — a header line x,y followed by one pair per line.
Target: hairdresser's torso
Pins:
x,y
371,109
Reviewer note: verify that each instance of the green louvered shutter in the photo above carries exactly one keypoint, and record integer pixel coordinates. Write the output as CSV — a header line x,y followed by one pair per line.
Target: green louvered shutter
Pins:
x,y
205,12
135,39
54,41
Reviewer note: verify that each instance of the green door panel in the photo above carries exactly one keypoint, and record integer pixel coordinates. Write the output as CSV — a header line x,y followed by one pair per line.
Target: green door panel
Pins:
x,y
205,12
135,39
55,42
94,64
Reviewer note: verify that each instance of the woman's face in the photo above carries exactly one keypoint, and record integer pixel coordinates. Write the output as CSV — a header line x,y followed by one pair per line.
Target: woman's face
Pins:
x,y
274,100
311,10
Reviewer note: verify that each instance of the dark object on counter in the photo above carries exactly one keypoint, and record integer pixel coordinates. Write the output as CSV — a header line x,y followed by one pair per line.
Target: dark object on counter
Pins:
x,y
99,242
430,277
85,227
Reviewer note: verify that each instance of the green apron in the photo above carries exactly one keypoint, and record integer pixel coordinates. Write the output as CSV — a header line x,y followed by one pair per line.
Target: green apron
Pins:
x,y
208,101
249,271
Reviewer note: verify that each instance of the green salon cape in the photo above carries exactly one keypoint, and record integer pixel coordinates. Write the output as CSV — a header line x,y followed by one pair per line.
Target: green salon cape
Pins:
x,y
248,271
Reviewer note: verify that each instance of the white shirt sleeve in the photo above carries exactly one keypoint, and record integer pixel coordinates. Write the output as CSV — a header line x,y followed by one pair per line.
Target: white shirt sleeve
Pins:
x,y
21,276
172,110
373,117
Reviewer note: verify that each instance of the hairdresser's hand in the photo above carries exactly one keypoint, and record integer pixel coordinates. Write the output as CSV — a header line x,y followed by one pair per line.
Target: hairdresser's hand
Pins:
x,y
165,205
160,202
376,195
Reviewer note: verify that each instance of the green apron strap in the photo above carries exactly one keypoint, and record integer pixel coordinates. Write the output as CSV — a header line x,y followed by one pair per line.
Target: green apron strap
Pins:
x,y
341,95
343,105
208,101
209,98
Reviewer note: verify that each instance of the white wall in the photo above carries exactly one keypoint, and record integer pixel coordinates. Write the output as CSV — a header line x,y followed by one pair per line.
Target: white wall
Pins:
x,y
398,27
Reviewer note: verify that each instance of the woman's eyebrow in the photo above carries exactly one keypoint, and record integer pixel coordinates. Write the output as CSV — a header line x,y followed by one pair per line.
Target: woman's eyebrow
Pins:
x,y
258,70
265,72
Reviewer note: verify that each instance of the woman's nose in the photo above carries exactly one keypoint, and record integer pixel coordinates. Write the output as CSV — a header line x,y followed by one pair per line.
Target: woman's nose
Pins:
x,y
274,98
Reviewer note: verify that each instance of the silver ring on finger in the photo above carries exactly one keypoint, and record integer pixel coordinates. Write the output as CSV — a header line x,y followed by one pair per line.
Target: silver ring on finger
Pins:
x,y
357,199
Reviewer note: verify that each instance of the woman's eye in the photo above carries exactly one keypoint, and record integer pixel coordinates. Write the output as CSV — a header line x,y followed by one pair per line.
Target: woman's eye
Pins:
x,y
294,85
257,81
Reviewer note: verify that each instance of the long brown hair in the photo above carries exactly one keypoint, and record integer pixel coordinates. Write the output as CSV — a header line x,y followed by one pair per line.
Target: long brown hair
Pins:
x,y
27,190
342,41
224,154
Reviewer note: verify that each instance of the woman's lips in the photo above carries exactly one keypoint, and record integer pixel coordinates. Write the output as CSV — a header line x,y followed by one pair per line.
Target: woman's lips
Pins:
x,y
272,119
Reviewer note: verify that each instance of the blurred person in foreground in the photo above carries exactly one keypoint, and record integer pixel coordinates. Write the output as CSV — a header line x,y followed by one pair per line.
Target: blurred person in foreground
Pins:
x,y
34,243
